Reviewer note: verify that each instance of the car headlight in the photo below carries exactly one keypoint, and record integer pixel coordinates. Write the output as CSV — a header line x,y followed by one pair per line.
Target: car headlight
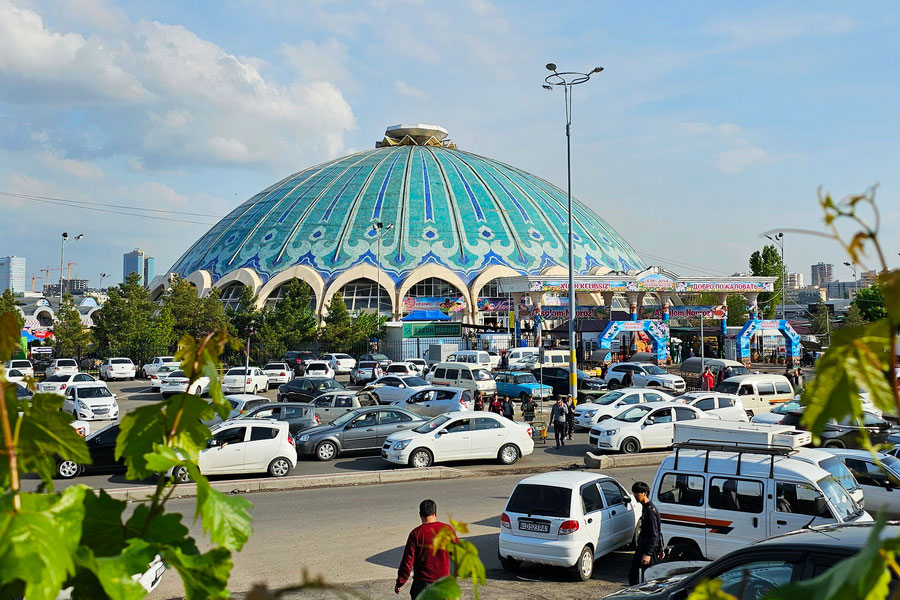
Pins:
x,y
611,432
303,438
401,445
589,413
670,384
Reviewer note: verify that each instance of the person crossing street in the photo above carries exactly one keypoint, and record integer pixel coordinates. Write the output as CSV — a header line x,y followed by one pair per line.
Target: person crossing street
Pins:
x,y
558,418
419,558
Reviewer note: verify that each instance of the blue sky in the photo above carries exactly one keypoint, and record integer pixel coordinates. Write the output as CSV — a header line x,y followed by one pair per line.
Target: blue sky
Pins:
x,y
710,124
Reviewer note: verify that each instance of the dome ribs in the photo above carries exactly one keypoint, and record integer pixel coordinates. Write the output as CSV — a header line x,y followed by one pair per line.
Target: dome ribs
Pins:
x,y
452,206
403,221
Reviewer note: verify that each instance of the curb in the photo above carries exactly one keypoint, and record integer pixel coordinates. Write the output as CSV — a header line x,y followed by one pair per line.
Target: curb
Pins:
x,y
243,486
608,461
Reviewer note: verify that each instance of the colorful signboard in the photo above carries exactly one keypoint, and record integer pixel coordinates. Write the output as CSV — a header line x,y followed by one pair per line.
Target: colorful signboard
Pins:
x,y
717,312
448,305
495,304
657,331
557,313
792,339
652,283
435,329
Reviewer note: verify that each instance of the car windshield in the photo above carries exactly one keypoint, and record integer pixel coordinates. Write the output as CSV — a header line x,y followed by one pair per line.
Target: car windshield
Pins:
x,y
544,500
583,375
787,406
841,501
608,398
93,392
235,371
330,384
741,370
344,418
429,426
481,375
379,357
633,414
167,358
414,381
66,363
317,365
655,370
728,387
840,472
120,361
529,378
367,364
892,464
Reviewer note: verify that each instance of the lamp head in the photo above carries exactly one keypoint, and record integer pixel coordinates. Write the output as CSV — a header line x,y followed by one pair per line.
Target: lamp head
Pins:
x,y
79,236
65,235
547,87
848,264
596,70
389,227
551,67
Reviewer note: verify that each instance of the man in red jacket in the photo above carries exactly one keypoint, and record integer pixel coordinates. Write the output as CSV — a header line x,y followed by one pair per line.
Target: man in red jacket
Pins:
x,y
426,565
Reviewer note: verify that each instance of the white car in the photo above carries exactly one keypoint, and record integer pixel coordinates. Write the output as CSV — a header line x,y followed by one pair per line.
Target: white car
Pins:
x,y
117,368
57,384
401,368
246,446
588,414
341,363
239,380
319,368
467,435
644,375
566,519
650,425
495,360
156,362
420,364
278,373
14,376
177,383
391,388
91,401
881,487
161,373
725,406
23,366
61,366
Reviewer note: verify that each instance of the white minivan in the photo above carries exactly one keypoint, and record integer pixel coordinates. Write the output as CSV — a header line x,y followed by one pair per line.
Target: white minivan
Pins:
x,y
522,358
758,393
464,375
478,357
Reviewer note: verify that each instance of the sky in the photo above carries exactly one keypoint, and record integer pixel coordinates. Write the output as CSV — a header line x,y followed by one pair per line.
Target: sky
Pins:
x,y
710,124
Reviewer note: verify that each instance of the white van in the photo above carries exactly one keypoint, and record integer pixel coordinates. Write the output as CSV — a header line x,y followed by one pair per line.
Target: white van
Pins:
x,y
468,376
758,393
522,358
554,358
478,357
718,496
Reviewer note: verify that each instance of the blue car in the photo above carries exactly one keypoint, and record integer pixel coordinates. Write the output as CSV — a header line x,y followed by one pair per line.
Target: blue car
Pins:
x,y
521,386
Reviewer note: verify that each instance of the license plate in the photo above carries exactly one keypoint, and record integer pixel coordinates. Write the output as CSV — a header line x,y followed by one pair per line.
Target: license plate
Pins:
x,y
534,526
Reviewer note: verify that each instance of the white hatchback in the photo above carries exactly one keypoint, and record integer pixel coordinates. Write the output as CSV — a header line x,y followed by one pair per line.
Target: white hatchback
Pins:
x,y
23,366
465,435
319,368
57,384
90,401
61,366
239,380
725,406
588,414
278,373
650,425
566,519
177,383
117,368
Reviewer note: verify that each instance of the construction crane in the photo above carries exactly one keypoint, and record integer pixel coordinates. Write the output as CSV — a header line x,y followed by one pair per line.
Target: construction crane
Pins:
x,y
33,277
69,270
46,277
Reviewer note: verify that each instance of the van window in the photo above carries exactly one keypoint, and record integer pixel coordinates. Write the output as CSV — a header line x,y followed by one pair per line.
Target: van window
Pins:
x,y
684,414
739,495
481,375
557,359
590,498
783,387
465,374
725,402
727,387
766,389
439,373
746,390
801,499
678,488
452,374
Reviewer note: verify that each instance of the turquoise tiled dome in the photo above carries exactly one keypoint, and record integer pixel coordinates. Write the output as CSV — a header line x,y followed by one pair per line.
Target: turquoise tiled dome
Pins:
x,y
447,206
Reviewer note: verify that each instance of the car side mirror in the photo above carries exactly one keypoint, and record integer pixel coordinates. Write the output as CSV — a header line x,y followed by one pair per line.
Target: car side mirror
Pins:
x,y
649,422
627,499
442,432
212,443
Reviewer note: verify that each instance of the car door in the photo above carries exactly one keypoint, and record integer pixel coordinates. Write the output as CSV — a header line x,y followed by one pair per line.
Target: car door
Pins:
x,y
736,510
391,421
304,392
297,417
69,402
421,403
619,516
361,432
796,505
259,449
878,492
453,441
488,435
391,391
226,453
594,519
658,429
323,407
103,448
639,376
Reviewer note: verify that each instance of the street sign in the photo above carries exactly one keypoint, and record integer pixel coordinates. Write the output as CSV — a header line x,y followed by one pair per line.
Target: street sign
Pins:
x,y
432,329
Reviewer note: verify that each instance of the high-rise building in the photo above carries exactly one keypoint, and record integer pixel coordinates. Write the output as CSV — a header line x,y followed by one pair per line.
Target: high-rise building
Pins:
x,y
794,281
867,278
822,273
12,274
842,290
76,287
138,262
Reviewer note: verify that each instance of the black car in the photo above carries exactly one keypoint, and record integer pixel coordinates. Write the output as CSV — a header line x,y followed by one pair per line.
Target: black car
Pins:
x,y
102,448
760,567
307,389
382,360
844,434
298,416
297,359
558,379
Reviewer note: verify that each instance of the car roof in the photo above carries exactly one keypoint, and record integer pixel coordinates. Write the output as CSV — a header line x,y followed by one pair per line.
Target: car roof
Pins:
x,y
852,453
440,388
81,384
662,404
249,422
564,478
635,388
757,377
245,397
701,393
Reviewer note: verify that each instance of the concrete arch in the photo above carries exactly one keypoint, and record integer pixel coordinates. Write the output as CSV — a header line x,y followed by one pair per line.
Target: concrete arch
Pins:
x,y
44,309
555,270
202,280
486,276
440,272
244,276
361,271
301,272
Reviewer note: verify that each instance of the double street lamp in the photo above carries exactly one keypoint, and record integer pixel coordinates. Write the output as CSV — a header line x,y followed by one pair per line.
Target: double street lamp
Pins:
x,y
779,239
62,253
567,80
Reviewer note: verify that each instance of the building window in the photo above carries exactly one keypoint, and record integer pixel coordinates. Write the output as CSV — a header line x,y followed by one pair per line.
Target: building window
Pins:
x,y
230,295
433,287
281,290
363,295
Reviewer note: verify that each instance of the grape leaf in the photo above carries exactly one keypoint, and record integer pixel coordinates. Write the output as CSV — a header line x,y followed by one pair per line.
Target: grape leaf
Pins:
x,y
890,284
102,530
204,575
467,564
226,518
114,574
139,431
191,434
161,459
10,335
710,589
442,589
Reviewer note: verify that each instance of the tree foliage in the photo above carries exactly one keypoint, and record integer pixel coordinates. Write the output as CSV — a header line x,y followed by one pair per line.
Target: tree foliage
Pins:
x,y
73,339
870,303
336,335
8,306
130,324
737,309
821,322
853,318
768,263
191,314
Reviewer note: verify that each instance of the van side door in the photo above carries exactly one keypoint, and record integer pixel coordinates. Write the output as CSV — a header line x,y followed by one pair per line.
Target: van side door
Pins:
x,y
735,512
796,504
679,497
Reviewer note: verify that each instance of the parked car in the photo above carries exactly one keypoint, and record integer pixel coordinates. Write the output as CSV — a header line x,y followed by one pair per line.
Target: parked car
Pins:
x,y
61,366
844,433
14,375
244,403
420,364
521,386
759,392
362,429
724,406
382,360
241,380
158,361
401,368
331,405
306,389
644,375
365,371
777,413
117,368
391,387
23,366
558,378
161,373
566,519
102,448
466,435
650,425
246,446
470,376
523,358
476,357
880,484
278,373
298,357
319,368
758,568
58,383
436,400
691,369
340,363
495,359
588,414
299,417
90,401
177,383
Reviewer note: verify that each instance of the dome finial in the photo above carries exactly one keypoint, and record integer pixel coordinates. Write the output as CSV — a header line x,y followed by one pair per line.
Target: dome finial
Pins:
x,y
415,134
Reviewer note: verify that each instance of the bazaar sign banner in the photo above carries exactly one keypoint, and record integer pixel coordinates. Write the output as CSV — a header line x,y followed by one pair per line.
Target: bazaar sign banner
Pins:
x,y
555,313
657,283
495,304
717,312
448,305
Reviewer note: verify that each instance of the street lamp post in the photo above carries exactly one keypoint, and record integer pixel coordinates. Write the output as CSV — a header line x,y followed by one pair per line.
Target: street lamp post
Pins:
x,y
62,252
569,79
779,239
379,229
855,280
102,277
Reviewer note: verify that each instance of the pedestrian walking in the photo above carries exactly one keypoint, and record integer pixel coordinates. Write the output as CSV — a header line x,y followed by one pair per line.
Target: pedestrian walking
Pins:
x,y
419,558
558,418
528,408
496,406
709,382
570,417
504,360
789,373
628,379
604,369
720,376
649,546
798,379
479,401
508,408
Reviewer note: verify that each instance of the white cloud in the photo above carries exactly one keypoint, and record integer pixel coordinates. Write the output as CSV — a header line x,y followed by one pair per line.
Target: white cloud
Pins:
x,y
740,159
78,168
319,62
778,27
408,90
739,155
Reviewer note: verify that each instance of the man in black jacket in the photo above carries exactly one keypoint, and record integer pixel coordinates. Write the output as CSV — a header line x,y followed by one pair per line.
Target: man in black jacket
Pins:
x,y
650,536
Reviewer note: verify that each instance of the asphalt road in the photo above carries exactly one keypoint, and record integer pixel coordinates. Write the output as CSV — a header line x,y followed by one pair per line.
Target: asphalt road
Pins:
x,y
355,536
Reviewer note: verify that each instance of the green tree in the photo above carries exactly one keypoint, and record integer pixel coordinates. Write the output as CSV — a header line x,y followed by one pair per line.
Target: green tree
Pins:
x,y
737,309
72,337
822,322
870,302
768,263
367,326
294,317
130,324
192,315
337,334
8,305
853,318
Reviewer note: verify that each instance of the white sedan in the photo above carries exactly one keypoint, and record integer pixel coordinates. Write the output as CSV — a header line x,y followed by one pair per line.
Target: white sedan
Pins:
x,y
401,368
278,373
91,401
177,383
161,373
391,388
727,407
240,380
14,376
341,363
588,414
319,368
464,435
117,368
650,425
57,384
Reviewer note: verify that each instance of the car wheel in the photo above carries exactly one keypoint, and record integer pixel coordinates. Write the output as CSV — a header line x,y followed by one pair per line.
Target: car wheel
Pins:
x,y
683,551
834,444
653,384
631,446
420,458
613,385
508,454
67,469
181,475
584,568
509,564
279,467
326,451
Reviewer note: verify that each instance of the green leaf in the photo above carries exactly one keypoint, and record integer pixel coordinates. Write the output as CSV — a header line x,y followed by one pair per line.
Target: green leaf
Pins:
x,y
164,528
864,576
114,574
710,589
139,431
467,564
161,459
442,589
890,284
204,576
39,540
10,335
183,415
102,530
226,518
